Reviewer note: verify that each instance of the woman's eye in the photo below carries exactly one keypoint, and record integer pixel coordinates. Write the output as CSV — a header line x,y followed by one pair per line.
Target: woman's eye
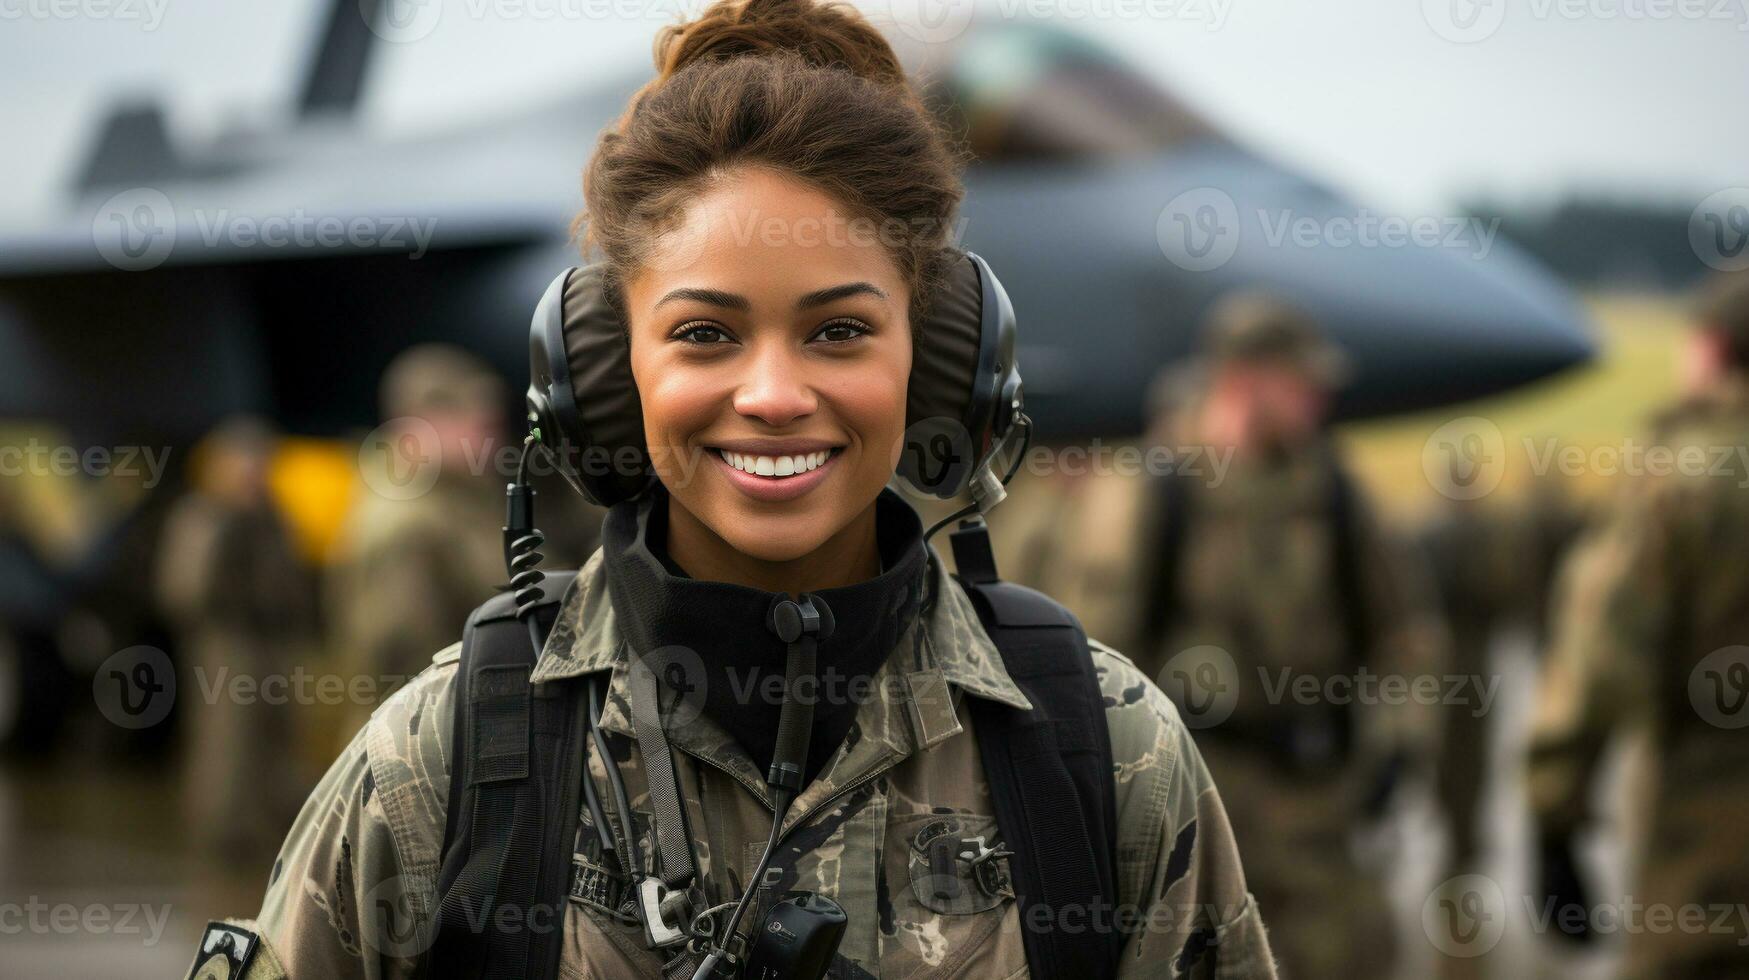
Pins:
x,y
839,331
702,334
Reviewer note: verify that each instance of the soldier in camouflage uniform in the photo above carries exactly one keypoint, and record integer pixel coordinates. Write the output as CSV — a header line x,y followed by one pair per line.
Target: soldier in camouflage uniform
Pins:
x,y
1251,605
421,547
1650,633
1494,566
366,848
243,604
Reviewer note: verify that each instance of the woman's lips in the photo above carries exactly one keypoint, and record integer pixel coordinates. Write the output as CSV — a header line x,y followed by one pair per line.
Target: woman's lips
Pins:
x,y
775,488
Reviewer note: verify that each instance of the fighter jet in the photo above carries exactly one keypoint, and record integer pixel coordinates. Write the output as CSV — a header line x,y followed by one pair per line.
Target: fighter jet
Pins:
x,y
278,272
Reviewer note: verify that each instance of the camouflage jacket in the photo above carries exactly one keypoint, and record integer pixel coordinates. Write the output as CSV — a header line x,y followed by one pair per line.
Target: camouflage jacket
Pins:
x,y
368,841
1651,632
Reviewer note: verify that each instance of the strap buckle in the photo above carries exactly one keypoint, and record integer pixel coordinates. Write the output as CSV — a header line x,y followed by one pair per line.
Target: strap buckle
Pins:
x,y
653,901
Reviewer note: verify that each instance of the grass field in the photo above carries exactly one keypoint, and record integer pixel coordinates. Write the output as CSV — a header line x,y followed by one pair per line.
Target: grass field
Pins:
x,y
1601,405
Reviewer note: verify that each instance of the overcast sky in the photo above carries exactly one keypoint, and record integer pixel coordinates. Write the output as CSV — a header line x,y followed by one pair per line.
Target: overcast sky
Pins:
x,y
1407,104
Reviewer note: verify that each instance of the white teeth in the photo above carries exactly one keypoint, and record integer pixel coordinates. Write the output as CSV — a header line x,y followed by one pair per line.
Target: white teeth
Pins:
x,y
775,466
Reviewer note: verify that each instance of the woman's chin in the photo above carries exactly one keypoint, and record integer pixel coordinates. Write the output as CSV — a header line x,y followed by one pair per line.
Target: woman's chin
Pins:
x,y
772,538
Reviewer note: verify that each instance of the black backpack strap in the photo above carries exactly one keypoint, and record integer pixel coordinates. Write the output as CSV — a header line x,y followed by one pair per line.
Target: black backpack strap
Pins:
x,y
1166,521
1346,559
1051,778
515,775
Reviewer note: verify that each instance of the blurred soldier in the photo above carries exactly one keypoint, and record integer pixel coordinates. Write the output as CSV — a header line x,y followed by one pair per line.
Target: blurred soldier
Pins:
x,y
422,547
1277,609
243,606
1494,565
1073,531
1650,632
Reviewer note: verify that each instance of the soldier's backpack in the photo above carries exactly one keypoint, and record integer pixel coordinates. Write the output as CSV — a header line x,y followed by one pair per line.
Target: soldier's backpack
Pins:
x,y
516,776
1173,514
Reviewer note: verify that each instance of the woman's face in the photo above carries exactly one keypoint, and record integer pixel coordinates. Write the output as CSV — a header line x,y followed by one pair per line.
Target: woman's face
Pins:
x,y
771,345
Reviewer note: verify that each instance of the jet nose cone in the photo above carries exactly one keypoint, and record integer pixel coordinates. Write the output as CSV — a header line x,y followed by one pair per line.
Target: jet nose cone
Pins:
x,y
1112,269
1432,308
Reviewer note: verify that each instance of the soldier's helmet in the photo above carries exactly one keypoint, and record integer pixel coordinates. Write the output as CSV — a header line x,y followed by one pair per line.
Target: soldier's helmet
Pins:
x,y
430,379
1724,308
1254,327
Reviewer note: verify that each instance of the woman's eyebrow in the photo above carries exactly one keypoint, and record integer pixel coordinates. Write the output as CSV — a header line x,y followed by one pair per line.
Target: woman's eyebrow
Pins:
x,y
821,297
712,297
733,301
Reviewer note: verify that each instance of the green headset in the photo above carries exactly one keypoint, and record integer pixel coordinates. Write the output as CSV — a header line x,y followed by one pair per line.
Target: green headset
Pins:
x,y
964,394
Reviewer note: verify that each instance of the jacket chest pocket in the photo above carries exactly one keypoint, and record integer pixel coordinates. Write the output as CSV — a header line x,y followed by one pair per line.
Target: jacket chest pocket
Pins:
x,y
952,900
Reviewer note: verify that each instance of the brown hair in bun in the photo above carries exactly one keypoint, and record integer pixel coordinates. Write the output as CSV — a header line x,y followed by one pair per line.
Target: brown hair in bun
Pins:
x,y
810,89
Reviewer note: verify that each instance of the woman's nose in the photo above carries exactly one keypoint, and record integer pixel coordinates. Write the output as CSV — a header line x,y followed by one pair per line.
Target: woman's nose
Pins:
x,y
777,389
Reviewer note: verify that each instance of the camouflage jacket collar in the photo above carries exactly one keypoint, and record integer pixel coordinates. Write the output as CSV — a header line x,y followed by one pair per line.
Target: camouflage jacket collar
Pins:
x,y
914,707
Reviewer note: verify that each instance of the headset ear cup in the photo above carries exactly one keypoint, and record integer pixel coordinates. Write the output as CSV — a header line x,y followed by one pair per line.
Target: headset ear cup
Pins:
x,y
964,385
581,393
615,465
551,410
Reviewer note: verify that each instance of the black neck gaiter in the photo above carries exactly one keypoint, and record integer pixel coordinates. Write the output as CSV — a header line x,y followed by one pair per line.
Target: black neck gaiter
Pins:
x,y
658,605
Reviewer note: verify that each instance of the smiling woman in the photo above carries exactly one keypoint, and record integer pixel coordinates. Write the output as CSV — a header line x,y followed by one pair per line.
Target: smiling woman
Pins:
x,y
768,734
774,210
787,365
